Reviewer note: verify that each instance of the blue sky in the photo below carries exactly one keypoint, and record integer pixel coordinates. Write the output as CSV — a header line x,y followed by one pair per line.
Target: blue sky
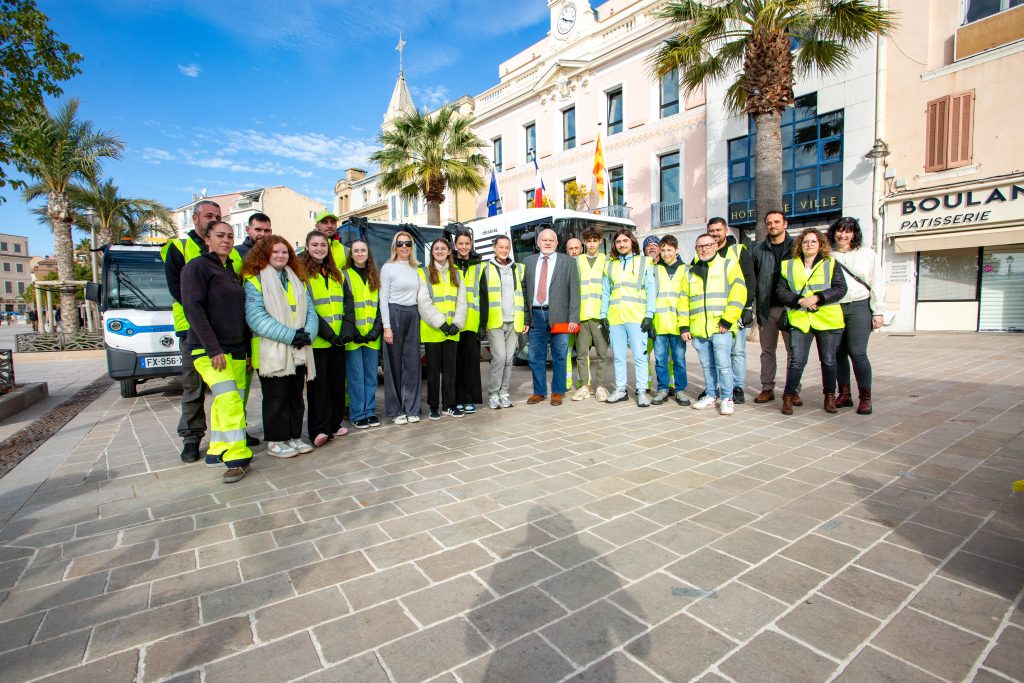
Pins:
x,y
232,95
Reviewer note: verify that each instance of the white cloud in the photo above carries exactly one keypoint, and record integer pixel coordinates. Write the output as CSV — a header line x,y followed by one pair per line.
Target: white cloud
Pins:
x,y
320,150
155,155
190,70
429,96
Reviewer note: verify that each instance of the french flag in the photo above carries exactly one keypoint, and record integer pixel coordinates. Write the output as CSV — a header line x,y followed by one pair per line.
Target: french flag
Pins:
x,y
538,186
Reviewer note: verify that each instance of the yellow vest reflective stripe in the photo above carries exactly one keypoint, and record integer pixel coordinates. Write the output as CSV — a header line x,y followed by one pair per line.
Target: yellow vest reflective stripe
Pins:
x,y
329,302
472,279
364,307
190,250
827,317
671,304
445,296
495,319
628,301
722,296
591,280
255,280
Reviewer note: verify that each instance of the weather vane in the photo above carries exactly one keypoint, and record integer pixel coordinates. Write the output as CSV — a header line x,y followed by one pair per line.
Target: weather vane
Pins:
x,y
400,47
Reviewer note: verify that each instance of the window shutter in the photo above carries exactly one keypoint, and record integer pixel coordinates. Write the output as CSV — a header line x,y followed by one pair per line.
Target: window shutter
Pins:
x,y
935,135
961,129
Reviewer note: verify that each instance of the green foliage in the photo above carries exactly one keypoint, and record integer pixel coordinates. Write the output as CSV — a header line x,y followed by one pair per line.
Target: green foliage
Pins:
x,y
117,218
576,195
32,63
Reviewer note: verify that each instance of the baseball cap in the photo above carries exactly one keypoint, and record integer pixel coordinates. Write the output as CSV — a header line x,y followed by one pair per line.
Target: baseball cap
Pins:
x,y
651,239
324,214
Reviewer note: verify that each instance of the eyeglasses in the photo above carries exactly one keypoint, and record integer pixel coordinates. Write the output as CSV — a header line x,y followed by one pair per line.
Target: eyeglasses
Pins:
x,y
403,243
706,246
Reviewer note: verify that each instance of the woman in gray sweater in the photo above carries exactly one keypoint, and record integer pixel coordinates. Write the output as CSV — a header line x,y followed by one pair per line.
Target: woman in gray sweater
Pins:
x,y
399,284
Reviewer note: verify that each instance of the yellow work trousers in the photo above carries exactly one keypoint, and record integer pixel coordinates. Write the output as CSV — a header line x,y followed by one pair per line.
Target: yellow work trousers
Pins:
x,y
227,412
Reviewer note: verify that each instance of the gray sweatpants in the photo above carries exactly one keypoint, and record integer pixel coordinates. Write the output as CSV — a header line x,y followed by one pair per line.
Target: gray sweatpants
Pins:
x,y
192,425
403,377
769,337
596,374
504,343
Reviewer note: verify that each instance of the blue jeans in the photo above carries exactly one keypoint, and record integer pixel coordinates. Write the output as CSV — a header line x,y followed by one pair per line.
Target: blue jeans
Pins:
x,y
664,343
630,334
540,337
739,356
361,364
715,356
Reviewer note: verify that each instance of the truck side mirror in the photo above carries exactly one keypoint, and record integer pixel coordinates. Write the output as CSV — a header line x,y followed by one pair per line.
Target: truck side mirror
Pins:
x,y
92,292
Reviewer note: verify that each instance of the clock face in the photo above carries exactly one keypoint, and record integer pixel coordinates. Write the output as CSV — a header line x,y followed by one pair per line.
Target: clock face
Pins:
x,y
566,19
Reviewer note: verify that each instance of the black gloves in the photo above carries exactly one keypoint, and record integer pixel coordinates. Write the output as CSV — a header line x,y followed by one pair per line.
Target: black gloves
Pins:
x,y
648,326
606,331
371,336
747,317
449,329
301,339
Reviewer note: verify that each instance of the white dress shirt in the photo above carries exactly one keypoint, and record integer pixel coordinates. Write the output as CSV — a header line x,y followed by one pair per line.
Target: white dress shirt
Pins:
x,y
536,281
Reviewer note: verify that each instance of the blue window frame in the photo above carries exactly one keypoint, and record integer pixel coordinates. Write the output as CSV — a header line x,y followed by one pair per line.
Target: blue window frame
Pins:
x,y
812,165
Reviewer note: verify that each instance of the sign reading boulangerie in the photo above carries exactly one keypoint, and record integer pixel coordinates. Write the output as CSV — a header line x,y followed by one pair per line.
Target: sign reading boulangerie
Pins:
x,y
976,207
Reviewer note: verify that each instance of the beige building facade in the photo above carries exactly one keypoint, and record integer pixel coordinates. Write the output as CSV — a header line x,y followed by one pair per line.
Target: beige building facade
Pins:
x,y
953,182
15,272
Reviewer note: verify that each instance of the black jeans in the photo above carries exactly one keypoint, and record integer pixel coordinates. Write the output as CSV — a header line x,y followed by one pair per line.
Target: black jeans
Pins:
x,y
282,405
441,372
467,369
854,344
326,393
800,342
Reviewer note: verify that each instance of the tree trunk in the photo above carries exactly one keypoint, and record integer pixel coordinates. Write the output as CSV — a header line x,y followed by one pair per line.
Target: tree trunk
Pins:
x,y
433,213
60,218
768,161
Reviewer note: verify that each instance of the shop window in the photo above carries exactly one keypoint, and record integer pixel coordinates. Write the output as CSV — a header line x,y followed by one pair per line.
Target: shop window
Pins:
x,y
949,275
670,93
949,132
615,111
496,145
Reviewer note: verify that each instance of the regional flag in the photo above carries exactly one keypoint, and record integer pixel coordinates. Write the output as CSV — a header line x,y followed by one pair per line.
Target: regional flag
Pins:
x,y
538,187
493,196
599,168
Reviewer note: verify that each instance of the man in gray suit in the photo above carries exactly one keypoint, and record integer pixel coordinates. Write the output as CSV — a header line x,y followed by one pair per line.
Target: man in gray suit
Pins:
x,y
552,288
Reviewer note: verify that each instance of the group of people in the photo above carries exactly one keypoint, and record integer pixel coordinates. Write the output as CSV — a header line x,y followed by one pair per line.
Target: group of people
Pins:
x,y
316,320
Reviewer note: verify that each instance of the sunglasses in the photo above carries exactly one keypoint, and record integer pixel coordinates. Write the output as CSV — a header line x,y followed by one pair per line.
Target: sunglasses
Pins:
x,y
403,243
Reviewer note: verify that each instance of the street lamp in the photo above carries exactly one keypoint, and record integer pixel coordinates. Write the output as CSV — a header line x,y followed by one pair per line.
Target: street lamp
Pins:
x,y
878,151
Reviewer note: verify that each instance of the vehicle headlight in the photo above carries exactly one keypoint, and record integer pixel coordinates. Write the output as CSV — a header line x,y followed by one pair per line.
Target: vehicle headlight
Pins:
x,y
115,325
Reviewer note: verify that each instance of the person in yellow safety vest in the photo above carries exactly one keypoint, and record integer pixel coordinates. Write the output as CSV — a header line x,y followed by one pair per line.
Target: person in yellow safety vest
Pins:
x,y
505,319
175,254
467,355
363,317
729,248
592,335
573,247
671,313
627,304
441,300
214,304
652,250
283,320
717,293
810,288
327,223
326,393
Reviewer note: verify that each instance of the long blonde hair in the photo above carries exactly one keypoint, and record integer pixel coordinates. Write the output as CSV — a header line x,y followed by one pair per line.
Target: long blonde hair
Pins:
x,y
413,261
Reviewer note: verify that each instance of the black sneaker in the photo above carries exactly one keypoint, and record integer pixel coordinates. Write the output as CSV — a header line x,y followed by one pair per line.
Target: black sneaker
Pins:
x,y
373,421
434,414
453,411
251,440
190,452
702,394
737,396
361,424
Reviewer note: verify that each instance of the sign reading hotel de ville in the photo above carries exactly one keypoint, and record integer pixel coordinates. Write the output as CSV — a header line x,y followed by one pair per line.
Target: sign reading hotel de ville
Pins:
x,y
978,207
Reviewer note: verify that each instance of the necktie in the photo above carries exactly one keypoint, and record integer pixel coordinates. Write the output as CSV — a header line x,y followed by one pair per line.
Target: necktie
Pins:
x,y
542,286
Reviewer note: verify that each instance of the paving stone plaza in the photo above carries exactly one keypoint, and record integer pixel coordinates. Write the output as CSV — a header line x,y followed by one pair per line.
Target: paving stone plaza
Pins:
x,y
583,542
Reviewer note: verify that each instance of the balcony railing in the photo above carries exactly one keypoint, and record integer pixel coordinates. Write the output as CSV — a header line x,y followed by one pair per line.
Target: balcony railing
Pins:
x,y
666,213
614,210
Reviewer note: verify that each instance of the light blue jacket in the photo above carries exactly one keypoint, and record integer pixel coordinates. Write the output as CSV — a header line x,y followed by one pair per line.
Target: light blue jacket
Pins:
x,y
263,324
650,286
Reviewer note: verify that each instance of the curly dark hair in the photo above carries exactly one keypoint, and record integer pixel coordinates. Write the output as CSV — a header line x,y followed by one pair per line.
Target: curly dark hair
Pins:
x,y
846,223
258,257
311,265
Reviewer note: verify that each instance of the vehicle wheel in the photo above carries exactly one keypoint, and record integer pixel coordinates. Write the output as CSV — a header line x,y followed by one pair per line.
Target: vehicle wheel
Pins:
x,y
128,388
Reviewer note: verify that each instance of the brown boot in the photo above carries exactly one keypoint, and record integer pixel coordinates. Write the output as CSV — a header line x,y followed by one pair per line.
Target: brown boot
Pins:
x,y
765,396
787,404
844,400
830,402
797,401
865,402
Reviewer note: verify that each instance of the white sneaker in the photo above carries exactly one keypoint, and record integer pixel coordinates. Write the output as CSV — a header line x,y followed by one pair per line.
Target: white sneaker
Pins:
x,y
300,445
726,407
617,395
582,394
413,419
400,420
702,403
494,402
643,400
506,400
601,394
281,449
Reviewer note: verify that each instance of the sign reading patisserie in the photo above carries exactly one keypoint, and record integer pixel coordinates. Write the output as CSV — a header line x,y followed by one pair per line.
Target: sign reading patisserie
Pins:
x,y
975,207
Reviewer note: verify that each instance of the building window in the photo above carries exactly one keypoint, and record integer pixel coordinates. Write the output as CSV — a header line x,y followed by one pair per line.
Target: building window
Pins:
x,y
416,205
566,200
528,196
812,165
7,267
496,145
668,174
670,93
405,206
616,188
979,9
17,248
21,288
569,128
530,130
949,132
19,267
7,287
615,111
394,208
3,246
950,275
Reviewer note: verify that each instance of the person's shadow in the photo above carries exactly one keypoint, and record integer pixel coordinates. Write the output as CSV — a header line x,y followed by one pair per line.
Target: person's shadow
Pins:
x,y
555,589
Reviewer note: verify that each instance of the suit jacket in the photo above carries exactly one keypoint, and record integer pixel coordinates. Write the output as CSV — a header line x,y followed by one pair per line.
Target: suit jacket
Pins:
x,y
563,293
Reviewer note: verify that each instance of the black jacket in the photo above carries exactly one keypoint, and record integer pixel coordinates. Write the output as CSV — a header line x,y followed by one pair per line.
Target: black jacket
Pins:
x,y
214,305
766,274
245,246
835,292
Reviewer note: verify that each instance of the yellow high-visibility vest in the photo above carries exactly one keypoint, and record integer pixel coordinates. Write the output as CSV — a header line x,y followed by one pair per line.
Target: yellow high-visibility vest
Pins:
x,y
590,285
329,301
495,318
364,303
189,250
721,297
672,300
804,283
445,296
627,302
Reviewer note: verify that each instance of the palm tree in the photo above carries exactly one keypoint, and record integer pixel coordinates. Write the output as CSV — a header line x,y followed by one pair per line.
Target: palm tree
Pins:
x,y
57,151
425,154
117,218
765,43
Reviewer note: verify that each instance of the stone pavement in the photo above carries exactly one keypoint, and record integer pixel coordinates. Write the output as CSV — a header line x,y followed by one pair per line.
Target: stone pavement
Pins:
x,y
586,542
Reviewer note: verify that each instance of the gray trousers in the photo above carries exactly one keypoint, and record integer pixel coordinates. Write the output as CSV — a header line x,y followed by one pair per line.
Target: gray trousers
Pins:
x,y
854,345
590,335
769,334
504,343
403,379
192,425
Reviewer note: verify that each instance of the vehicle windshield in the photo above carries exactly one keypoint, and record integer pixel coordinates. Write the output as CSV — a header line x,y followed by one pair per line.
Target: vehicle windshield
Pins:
x,y
135,279
524,236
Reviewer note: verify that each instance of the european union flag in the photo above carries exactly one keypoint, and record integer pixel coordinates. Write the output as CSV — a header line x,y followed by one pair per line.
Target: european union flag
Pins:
x,y
493,197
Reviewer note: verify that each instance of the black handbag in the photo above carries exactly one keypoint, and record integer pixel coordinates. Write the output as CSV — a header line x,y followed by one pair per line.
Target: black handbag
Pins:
x,y
784,324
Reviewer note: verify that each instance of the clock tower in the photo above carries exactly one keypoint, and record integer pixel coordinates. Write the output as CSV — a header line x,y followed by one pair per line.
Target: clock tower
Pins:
x,y
567,16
